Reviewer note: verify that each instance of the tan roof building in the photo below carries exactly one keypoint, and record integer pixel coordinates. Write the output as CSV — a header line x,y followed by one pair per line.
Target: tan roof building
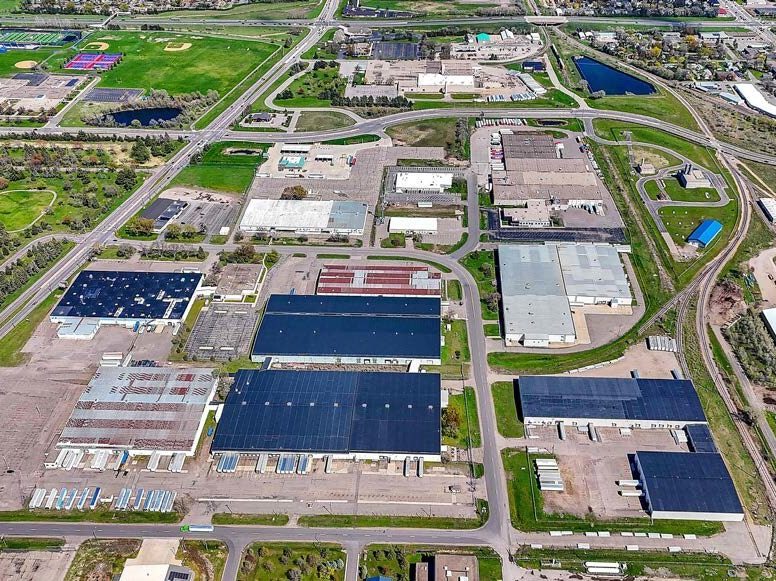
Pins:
x,y
447,567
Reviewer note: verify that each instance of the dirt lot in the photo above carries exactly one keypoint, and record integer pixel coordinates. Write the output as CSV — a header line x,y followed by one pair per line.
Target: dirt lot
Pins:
x,y
101,559
35,565
590,469
655,364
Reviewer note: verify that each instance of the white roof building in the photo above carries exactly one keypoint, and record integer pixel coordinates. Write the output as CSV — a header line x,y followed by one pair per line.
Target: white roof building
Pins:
x,y
411,182
413,225
441,80
755,99
305,216
769,208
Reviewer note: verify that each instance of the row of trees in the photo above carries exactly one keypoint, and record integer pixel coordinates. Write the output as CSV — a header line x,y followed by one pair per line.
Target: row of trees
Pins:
x,y
38,258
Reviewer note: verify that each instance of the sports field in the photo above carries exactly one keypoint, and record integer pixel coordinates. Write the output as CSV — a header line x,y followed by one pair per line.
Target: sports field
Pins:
x,y
20,208
155,61
30,37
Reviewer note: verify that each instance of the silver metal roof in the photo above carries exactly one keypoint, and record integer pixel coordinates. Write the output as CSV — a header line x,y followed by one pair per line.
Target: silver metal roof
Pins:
x,y
593,270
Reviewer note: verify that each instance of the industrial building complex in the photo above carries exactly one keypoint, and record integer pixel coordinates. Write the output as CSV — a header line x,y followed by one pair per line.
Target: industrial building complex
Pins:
x,y
608,402
129,299
141,410
541,283
349,330
305,217
355,415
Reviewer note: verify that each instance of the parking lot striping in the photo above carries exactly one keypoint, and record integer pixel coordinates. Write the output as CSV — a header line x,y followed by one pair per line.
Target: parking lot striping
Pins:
x,y
339,501
245,500
415,502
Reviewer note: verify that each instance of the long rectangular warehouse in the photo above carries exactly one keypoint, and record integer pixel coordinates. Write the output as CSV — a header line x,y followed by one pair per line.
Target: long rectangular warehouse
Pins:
x,y
305,217
141,410
350,330
688,486
393,280
609,401
356,415
103,297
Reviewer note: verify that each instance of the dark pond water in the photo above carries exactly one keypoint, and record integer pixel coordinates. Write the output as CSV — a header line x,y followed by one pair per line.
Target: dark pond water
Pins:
x,y
602,77
145,116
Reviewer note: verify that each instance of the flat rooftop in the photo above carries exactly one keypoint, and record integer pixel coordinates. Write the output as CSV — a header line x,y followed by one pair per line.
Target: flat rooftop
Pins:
x,y
533,145
141,408
423,180
349,326
304,215
108,294
331,412
532,290
679,482
341,279
608,398
593,270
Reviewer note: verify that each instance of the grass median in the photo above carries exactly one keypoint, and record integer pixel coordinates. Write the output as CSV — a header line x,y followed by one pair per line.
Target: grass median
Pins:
x,y
234,518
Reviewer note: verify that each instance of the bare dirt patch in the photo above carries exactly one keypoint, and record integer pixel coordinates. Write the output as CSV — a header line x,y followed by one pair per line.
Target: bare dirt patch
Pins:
x,y
26,65
177,46
727,303
649,155
97,46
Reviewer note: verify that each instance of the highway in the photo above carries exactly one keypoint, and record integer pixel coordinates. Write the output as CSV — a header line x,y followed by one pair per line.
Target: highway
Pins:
x,y
498,531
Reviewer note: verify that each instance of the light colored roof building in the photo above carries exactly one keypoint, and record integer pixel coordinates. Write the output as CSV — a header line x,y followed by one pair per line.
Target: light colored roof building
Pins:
x,y
534,214
156,561
142,410
769,207
755,99
305,216
408,224
442,80
594,274
407,182
536,309
366,279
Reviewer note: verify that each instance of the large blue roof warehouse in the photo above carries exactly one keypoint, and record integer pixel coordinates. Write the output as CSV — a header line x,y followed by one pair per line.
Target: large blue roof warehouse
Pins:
x,y
706,231
680,485
347,414
349,329
609,401
99,297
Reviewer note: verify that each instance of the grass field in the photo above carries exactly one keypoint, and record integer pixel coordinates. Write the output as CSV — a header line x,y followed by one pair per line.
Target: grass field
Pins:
x,y
678,193
221,171
507,422
30,543
396,561
232,518
12,344
10,58
206,558
454,291
322,120
101,558
527,508
469,428
20,208
146,65
97,516
306,88
254,11
396,522
481,264
427,7
681,221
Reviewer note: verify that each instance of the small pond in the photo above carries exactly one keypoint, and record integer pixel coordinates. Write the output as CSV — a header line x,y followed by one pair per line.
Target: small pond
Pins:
x,y
145,116
602,77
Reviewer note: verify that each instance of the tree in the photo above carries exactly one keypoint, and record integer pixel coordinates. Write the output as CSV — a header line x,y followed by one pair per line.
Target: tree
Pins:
x,y
493,299
451,421
293,193
126,178
140,152
138,226
173,232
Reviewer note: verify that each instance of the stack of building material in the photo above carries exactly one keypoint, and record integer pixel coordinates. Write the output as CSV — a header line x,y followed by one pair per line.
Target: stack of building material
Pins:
x,y
661,343
548,473
630,488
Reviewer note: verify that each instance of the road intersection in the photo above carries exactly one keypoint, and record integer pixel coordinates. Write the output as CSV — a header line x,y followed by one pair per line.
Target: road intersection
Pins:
x,y
498,531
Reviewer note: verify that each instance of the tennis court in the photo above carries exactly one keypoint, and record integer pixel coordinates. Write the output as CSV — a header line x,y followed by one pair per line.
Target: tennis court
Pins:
x,y
94,61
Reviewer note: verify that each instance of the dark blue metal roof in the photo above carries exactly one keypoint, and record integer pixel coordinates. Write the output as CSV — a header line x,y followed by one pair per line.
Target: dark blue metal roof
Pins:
x,y
613,398
340,326
700,439
705,232
331,412
128,295
684,482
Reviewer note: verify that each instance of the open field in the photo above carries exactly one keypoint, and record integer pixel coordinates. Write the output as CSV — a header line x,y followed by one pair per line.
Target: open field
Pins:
x,y
222,171
322,120
255,11
481,264
681,221
231,518
101,557
205,558
468,433
305,90
509,425
12,344
429,8
20,208
399,522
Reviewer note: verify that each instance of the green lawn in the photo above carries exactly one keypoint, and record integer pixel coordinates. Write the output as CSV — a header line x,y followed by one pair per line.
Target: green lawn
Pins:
x,y
492,330
306,89
273,561
505,406
469,428
526,506
30,543
428,8
97,516
322,120
454,292
456,347
222,171
301,9
20,208
146,65
40,55
481,264
394,240
681,221
395,522
232,518
662,105
678,193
